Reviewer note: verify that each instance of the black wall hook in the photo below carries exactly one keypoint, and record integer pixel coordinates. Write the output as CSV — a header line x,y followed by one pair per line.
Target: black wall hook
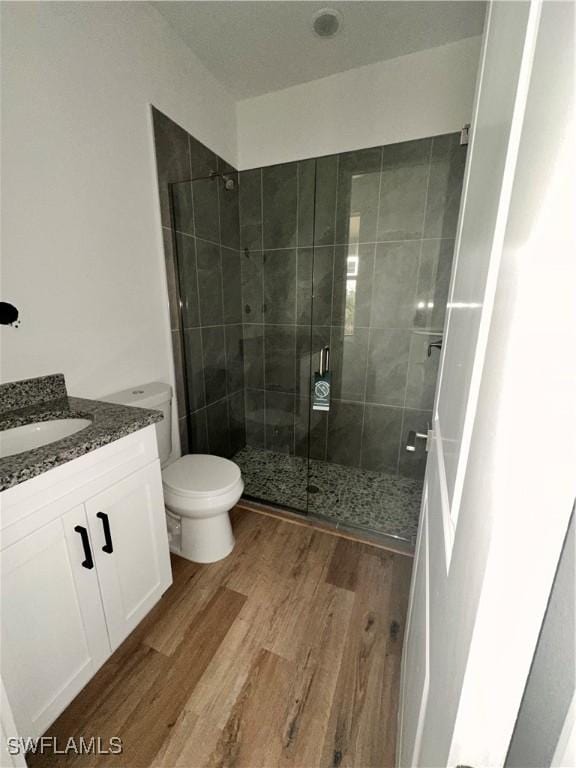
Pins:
x,y
9,314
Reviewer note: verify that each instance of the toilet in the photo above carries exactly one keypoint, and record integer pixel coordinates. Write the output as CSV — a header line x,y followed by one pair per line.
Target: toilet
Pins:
x,y
199,490
202,489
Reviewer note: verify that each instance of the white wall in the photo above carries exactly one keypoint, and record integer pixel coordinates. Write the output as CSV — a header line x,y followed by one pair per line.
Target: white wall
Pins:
x,y
552,679
81,242
81,237
422,94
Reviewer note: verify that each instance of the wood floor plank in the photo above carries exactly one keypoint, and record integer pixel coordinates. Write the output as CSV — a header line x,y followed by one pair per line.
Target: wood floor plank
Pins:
x,y
289,624
361,677
218,688
248,561
119,707
274,617
284,551
165,636
201,585
160,707
284,655
343,570
399,604
318,663
251,737
388,712
375,737
191,744
112,705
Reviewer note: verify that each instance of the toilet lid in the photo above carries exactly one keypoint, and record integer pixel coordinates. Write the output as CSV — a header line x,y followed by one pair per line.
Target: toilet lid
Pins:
x,y
201,475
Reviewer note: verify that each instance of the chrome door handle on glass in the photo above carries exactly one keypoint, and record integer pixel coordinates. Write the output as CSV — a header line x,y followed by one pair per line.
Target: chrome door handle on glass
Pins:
x,y
324,361
413,436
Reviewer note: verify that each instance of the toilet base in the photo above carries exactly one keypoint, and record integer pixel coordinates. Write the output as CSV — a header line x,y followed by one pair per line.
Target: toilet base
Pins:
x,y
208,539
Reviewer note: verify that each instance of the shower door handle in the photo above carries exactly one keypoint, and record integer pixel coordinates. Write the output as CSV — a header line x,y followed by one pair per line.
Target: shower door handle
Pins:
x,y
324,361
413,436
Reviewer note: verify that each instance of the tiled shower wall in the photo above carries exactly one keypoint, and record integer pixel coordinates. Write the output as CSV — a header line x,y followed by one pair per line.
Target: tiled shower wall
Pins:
x,y
382,222
203,233
377,229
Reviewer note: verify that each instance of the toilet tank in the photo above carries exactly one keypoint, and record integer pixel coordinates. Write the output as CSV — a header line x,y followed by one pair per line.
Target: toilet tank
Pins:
x,y
158,397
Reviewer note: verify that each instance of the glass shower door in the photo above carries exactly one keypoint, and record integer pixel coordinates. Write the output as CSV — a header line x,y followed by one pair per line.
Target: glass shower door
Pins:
x,y
206,313
242,341
364,288
275,460
385,222
346,256
277,218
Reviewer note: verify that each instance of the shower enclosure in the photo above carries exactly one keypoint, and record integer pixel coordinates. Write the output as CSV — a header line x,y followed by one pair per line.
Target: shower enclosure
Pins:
x,y
337,266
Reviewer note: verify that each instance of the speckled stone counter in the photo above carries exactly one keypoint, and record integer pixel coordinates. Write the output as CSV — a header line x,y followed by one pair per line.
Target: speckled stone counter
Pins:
x,y
110,422
17,394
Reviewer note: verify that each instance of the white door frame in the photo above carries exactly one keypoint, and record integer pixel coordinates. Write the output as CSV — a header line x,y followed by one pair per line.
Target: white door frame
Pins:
x,y
518,479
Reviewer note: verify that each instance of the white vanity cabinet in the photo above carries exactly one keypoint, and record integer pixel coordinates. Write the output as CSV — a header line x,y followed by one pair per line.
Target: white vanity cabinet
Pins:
x,y
130,546
53,630
84,557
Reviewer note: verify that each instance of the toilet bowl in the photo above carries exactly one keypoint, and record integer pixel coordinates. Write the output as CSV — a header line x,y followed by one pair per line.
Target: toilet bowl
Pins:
x,y
201,490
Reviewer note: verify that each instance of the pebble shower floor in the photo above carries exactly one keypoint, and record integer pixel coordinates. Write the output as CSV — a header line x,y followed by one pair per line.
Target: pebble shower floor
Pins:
x,y
375,501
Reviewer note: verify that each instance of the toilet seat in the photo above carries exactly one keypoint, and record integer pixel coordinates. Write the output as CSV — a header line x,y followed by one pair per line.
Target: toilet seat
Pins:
x,y
198,476
201,490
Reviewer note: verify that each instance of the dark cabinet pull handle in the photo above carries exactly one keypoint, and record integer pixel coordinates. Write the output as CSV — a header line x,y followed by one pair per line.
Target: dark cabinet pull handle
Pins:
x,y
108,548
87,562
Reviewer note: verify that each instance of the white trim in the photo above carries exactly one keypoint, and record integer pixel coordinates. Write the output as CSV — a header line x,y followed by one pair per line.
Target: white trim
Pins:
x,y
426,686
8,731
448,517
517,123
422,541
448,527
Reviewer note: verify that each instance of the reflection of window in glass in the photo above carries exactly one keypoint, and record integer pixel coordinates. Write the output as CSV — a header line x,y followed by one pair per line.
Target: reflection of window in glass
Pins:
x,y
354,229
363,202
350,307
352,264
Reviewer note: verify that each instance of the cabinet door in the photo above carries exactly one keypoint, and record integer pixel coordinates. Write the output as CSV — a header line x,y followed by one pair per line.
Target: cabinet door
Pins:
x,y
128,527
53,629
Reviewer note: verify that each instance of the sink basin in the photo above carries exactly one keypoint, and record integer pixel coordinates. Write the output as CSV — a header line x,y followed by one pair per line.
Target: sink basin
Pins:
x,y
29,436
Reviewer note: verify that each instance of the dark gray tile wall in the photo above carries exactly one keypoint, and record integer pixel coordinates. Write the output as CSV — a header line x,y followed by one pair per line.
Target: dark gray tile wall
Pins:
x,y
201,244
249,331
392,211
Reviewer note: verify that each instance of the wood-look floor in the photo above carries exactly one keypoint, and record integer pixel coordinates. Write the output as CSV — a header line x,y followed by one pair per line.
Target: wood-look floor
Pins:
x,y
286,653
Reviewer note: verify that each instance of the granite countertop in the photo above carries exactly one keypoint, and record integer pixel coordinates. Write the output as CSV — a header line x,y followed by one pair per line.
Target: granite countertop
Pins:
x,y
110,422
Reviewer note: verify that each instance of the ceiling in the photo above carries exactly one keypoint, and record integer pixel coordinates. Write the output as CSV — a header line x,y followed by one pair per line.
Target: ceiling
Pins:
x,y
257,47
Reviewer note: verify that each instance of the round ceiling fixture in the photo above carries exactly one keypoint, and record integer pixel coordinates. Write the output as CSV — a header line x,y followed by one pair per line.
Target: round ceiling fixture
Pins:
x,y
326,22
